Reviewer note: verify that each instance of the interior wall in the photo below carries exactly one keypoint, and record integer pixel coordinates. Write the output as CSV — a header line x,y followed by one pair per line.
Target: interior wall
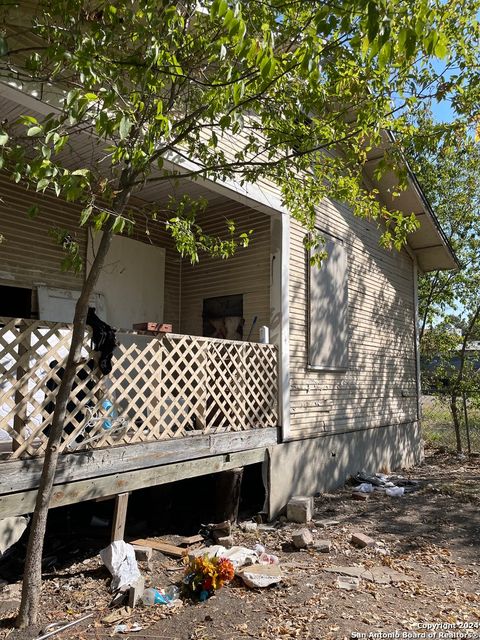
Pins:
x,y
246,273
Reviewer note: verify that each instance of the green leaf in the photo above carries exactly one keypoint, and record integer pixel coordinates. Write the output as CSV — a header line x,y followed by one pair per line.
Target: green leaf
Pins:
x,y
80,172
3,138
222,8
441,48
124,128
43,184
85,215
27,120
214,8
34,131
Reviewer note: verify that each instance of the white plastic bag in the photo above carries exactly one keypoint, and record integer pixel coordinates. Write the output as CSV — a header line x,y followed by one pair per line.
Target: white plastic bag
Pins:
x,y
365,487
395,492
119,558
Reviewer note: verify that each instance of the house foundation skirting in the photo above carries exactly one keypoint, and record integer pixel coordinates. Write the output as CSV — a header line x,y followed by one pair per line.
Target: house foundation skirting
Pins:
x,y
318,464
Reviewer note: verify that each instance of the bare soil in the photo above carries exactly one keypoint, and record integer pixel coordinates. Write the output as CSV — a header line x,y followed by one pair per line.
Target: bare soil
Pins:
x,y
430,537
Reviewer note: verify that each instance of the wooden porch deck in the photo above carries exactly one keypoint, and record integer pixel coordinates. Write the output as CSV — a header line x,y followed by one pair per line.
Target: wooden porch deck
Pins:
x,y
172,407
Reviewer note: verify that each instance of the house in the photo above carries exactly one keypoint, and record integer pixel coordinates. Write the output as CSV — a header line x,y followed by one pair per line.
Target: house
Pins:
x,y
332,387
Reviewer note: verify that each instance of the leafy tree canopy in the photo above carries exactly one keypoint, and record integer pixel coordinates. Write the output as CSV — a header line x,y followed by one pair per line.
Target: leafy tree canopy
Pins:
x,y
448,167
305,87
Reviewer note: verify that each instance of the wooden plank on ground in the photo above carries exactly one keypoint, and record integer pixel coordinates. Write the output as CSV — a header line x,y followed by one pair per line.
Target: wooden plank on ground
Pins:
x,y
164,547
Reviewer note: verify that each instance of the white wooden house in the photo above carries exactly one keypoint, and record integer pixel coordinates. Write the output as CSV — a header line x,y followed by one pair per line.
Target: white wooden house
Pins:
x,y
336,389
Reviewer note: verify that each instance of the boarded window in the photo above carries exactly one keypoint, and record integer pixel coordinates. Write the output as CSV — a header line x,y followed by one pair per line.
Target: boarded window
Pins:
x,y
328,321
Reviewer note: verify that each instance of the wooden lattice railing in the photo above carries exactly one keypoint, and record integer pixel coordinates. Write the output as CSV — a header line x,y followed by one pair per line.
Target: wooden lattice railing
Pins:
x,y
159,388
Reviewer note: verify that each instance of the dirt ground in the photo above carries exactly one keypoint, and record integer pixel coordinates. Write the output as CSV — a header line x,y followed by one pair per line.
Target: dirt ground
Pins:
x,y
430,538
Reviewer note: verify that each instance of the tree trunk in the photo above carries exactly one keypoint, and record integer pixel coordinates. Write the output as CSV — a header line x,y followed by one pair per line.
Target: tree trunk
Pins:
x,y
467,424
456,422
32,576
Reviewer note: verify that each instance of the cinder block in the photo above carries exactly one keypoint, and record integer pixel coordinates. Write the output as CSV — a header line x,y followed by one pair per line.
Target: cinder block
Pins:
x,y
143,554
323,546
300,509
302,538
361,540
136,591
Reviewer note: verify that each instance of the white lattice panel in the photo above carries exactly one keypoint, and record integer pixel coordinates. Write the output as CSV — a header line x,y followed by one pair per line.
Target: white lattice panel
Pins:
x,y
159,388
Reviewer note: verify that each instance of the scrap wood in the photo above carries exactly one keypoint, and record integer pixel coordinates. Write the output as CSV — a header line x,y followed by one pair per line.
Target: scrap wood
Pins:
x,y
186,541
164,547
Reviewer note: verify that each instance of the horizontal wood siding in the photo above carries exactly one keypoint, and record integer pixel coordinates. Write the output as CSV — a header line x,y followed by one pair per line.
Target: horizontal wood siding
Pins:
x,y
28,254
379,386
247,273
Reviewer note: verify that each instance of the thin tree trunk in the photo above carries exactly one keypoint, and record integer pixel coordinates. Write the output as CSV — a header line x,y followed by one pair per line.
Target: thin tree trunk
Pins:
x,y
456,422
32,576
467,424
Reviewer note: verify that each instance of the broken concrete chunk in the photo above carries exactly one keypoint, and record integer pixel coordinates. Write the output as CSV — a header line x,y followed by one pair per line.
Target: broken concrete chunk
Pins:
x,y
355,572
323,546
384,575
260,575
143,554
302,538
323,524
226,541
361,540
300,509
248,527
136,591
347,583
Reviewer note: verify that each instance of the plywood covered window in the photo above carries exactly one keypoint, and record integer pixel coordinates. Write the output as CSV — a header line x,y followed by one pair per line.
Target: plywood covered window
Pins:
x,y
328,309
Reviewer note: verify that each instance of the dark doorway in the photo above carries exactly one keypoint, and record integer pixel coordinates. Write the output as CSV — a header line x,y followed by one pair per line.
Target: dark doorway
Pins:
x,y
223,317
15,302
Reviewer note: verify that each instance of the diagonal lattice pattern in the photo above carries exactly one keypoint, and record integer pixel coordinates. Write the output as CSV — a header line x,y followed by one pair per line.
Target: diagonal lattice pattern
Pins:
x,y
159,388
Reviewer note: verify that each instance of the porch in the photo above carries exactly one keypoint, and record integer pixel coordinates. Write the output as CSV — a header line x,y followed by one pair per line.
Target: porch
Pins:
x,y
174,406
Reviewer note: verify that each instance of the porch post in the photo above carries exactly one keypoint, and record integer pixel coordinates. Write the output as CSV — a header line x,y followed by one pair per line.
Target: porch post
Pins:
x,y
280,319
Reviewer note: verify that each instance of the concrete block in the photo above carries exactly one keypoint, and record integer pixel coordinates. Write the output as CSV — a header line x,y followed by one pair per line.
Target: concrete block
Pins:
x,y
323,546
136,591
260,575
302,538
300,509
143,554
361,540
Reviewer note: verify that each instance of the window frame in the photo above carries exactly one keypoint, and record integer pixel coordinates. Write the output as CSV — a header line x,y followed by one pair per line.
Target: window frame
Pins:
x,y
317,367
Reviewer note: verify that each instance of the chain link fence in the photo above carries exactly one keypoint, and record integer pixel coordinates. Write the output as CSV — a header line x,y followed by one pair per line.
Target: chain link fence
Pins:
x,y
437,424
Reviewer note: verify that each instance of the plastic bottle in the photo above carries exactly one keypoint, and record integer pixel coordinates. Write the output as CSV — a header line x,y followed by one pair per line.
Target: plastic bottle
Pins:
x,y
107,406
160,596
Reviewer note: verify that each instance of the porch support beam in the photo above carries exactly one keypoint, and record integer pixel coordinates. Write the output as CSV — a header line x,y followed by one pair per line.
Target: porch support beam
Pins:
x,y
91,489
22,475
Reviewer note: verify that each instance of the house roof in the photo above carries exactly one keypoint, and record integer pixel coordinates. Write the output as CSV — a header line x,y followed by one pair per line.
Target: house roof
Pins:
x,y
429,243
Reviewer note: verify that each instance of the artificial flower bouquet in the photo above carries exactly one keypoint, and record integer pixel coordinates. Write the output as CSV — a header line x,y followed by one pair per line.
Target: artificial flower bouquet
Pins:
x,y
205,574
